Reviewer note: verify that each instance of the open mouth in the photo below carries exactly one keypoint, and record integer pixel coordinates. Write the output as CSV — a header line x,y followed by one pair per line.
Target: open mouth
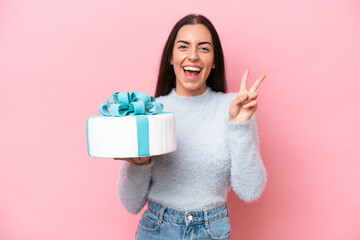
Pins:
x,y
191,72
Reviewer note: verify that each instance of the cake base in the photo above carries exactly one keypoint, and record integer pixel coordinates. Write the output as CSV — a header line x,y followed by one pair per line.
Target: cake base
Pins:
x,y
117,137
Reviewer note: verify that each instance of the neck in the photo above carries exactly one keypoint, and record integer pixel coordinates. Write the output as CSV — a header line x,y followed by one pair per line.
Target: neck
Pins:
x,y
190,93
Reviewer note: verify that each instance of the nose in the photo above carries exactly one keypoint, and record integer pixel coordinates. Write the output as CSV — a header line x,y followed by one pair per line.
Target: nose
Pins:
x,y
193,54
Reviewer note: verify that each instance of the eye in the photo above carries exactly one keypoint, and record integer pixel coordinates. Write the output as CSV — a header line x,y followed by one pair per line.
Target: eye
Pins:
x,y
204,49
182,47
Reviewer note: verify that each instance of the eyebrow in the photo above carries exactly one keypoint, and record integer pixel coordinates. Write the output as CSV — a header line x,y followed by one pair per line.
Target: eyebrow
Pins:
x,y
200,43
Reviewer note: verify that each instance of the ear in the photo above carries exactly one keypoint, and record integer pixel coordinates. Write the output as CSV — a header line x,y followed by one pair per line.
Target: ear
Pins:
x,y
213,66
171,61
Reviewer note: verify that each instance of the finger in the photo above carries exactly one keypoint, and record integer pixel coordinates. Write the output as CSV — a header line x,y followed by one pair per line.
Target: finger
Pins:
x,y
136,160
145,160
130,160
250,104
252,96
243,82
142,159
240,99
257,83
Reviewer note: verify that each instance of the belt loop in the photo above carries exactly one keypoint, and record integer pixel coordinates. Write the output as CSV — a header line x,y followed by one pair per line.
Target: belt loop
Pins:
x,y
206,219
161,214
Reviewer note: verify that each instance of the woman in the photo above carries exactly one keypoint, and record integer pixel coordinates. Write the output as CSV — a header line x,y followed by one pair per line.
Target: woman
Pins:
x,y
217,143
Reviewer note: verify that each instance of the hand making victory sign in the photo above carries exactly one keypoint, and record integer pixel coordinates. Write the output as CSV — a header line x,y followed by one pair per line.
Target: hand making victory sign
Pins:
x,y
245,104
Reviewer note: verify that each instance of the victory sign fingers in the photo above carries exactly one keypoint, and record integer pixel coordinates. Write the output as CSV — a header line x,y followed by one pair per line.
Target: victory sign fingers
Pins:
x,y
245,104
253,88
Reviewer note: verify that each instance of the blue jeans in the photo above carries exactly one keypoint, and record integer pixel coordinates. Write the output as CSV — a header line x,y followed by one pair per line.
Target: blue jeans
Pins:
x,y
160,222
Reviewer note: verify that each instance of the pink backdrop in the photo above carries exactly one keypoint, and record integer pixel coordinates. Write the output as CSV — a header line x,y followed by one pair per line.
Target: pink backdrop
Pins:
x,y
60,59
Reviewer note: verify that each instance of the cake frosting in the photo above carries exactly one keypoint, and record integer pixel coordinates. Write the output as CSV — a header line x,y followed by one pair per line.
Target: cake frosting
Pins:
x,y
117,136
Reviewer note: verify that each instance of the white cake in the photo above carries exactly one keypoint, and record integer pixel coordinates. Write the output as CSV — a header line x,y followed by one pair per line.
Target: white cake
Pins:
x,y
117,137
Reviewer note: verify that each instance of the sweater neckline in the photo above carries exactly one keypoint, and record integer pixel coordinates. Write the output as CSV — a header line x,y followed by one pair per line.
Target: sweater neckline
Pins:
x,y
192,101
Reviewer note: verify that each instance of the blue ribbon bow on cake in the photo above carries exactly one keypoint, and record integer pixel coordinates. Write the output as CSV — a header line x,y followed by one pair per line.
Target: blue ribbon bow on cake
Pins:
x,y
134,103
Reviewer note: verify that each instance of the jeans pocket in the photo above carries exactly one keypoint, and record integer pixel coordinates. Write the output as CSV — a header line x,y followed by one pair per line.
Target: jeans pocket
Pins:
x,y
149,222
219,229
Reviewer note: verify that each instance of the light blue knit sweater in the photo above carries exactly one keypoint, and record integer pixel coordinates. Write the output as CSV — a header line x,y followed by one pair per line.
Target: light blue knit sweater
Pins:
x,y
213,154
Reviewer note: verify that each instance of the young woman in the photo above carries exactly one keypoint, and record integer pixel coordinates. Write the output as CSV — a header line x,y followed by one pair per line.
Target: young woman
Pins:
x,y
217,143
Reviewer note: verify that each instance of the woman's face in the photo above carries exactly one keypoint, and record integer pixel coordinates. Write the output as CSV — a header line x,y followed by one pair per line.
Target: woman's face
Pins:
x,y
192,59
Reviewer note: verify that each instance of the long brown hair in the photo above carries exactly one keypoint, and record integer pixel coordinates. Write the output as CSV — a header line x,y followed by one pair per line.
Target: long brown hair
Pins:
x,y
167,79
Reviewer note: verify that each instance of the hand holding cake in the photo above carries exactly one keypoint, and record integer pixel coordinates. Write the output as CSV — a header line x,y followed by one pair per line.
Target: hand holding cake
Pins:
x,y
137,160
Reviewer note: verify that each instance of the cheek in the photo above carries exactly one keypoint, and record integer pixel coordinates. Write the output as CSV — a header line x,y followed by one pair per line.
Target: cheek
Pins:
x,y
210,64
209,61
175,61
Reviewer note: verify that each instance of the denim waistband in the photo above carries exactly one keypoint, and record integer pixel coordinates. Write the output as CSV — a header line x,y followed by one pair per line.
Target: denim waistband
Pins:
x,y
190,217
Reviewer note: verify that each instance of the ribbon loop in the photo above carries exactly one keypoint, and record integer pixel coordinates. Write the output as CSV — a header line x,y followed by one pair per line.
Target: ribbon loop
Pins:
x,y
104,109
114,109
124,98
115,98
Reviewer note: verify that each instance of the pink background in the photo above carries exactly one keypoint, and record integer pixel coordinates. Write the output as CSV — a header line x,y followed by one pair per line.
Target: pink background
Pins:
x,y
60,59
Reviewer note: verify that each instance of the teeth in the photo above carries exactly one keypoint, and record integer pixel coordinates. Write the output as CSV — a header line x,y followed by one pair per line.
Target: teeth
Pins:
x,y
192,69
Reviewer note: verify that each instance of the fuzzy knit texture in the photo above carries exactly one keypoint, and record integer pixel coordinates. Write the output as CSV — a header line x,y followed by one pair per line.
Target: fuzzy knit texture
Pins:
x,y
213,154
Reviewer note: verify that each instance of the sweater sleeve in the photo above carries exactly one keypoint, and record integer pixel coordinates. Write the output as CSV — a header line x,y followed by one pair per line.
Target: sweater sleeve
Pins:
x,y
133,185
248,174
